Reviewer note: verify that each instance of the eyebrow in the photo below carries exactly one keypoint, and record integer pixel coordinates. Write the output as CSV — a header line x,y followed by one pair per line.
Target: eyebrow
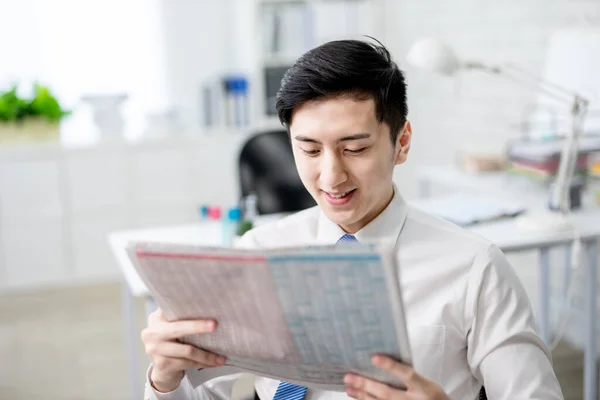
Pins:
x,y
356,136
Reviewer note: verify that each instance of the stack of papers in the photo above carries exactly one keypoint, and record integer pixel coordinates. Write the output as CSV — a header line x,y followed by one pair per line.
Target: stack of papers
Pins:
x,y
469,209
304,315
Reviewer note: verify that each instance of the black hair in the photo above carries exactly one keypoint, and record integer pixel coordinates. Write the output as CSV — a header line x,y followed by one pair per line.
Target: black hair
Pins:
x,y
346,68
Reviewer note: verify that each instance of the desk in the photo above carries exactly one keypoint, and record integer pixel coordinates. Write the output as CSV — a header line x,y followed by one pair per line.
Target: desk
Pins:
x,y
505,233
508,186
511,238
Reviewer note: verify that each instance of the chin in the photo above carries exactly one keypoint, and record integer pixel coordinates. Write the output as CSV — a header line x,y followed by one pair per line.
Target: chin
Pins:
x,y
341,217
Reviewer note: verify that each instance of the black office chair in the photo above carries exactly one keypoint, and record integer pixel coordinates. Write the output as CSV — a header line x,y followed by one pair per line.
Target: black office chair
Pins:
x,y
267,169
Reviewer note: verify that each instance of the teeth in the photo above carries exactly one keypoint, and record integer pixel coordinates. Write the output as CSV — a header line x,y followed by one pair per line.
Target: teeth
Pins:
x,y
339,196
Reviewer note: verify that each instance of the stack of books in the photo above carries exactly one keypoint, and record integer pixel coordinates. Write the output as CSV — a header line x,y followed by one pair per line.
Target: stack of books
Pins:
x,y
594,165
540,159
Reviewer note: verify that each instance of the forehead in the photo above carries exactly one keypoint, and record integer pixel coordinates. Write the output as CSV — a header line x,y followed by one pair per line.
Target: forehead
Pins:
x,y
330,117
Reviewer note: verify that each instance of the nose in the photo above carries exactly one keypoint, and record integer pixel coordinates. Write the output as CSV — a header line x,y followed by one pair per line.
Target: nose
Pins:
x,y
333,172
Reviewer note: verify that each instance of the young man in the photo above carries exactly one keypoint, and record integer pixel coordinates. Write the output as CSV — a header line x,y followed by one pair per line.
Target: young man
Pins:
x,y
469,320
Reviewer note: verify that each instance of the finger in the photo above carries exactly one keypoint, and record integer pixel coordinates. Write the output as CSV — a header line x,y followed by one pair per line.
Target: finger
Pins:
x,y
376,389
359,394
156,315
173,364
189,352
351,392
362,395
400,370
178,329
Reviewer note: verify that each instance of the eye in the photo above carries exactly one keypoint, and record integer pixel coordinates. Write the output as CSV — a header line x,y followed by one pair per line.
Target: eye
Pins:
x,y
311,152
356,151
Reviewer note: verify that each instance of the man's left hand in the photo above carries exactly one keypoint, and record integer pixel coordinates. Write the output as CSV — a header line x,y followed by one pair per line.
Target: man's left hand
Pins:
x,y
418,387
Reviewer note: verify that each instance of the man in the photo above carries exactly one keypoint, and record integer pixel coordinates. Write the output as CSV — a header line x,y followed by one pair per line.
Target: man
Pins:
x,y
469,320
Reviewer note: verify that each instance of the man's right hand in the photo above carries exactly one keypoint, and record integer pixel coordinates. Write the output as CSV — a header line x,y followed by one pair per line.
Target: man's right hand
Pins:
x,y
169,357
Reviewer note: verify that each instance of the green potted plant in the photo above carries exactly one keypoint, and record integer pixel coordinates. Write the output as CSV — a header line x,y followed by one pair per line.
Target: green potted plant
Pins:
x,y
30,119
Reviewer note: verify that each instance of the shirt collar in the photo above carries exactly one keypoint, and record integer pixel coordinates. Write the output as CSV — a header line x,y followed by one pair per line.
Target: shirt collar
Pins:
x,y
386,225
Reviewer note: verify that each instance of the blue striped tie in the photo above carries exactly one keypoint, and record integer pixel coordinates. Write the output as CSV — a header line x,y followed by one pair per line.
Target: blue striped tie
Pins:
x,y
289,391
347,238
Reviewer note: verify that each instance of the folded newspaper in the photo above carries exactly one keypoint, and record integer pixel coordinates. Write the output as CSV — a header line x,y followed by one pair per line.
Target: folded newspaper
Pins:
x,y
303,315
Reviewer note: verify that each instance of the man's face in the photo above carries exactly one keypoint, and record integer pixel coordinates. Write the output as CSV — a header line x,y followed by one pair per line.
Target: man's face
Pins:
x,y
346,159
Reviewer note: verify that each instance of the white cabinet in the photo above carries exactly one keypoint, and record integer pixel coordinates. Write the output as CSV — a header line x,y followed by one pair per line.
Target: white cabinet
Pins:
x,y
30,188
34,251
160,176
97,180
57,204
92,258
32,230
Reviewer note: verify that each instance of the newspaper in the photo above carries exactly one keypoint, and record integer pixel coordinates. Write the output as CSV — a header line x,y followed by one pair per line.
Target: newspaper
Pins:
x,y
303,315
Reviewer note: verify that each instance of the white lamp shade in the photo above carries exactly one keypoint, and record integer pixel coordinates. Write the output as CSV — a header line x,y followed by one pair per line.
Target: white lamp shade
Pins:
x,y
433,55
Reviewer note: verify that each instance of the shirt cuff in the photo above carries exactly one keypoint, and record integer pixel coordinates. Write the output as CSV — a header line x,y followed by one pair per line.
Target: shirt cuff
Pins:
x,y
183,391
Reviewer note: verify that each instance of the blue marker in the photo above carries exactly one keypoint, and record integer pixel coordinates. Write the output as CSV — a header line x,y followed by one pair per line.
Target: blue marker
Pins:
x,y
203,212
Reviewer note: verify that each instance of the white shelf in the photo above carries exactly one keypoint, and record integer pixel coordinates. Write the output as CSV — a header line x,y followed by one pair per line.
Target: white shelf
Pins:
x,y
323,19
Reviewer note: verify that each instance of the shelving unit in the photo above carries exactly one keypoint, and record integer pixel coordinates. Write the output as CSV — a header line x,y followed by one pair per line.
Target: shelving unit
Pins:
x,y
315,22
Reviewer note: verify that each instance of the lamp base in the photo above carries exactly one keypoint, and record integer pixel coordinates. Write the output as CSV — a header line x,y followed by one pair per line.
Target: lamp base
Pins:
x,y
545,221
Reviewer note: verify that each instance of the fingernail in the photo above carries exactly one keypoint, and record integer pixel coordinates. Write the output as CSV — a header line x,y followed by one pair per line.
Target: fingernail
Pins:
x,y
348,379
221,360
209,325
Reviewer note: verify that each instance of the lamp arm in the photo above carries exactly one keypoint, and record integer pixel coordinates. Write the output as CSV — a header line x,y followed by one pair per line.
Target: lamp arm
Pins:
x,y
519,75
541,82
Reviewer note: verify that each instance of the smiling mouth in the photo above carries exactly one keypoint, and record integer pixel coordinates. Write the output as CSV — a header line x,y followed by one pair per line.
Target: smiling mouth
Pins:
x,y
340,195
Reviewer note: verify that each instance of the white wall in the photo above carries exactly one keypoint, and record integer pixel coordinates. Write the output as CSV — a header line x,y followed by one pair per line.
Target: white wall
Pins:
x,y
14,59
476,111
198,49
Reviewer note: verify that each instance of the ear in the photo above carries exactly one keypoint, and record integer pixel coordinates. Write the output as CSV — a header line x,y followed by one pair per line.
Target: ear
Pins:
x,y
403,143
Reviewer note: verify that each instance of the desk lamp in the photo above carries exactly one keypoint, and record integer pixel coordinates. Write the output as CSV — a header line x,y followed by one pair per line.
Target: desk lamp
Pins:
x,y
435,56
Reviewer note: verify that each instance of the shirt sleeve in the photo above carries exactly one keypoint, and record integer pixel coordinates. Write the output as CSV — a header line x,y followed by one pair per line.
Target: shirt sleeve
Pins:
x,y
213,388
504,351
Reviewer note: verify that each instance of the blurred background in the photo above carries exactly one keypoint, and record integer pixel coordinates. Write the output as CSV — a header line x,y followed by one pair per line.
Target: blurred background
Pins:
x,y
129,115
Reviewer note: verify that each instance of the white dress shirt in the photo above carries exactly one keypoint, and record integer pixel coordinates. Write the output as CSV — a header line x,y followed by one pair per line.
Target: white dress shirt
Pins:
x,y
468,317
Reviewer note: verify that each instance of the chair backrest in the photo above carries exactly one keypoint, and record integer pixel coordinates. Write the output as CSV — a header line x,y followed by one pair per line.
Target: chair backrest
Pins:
x,y
267,169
